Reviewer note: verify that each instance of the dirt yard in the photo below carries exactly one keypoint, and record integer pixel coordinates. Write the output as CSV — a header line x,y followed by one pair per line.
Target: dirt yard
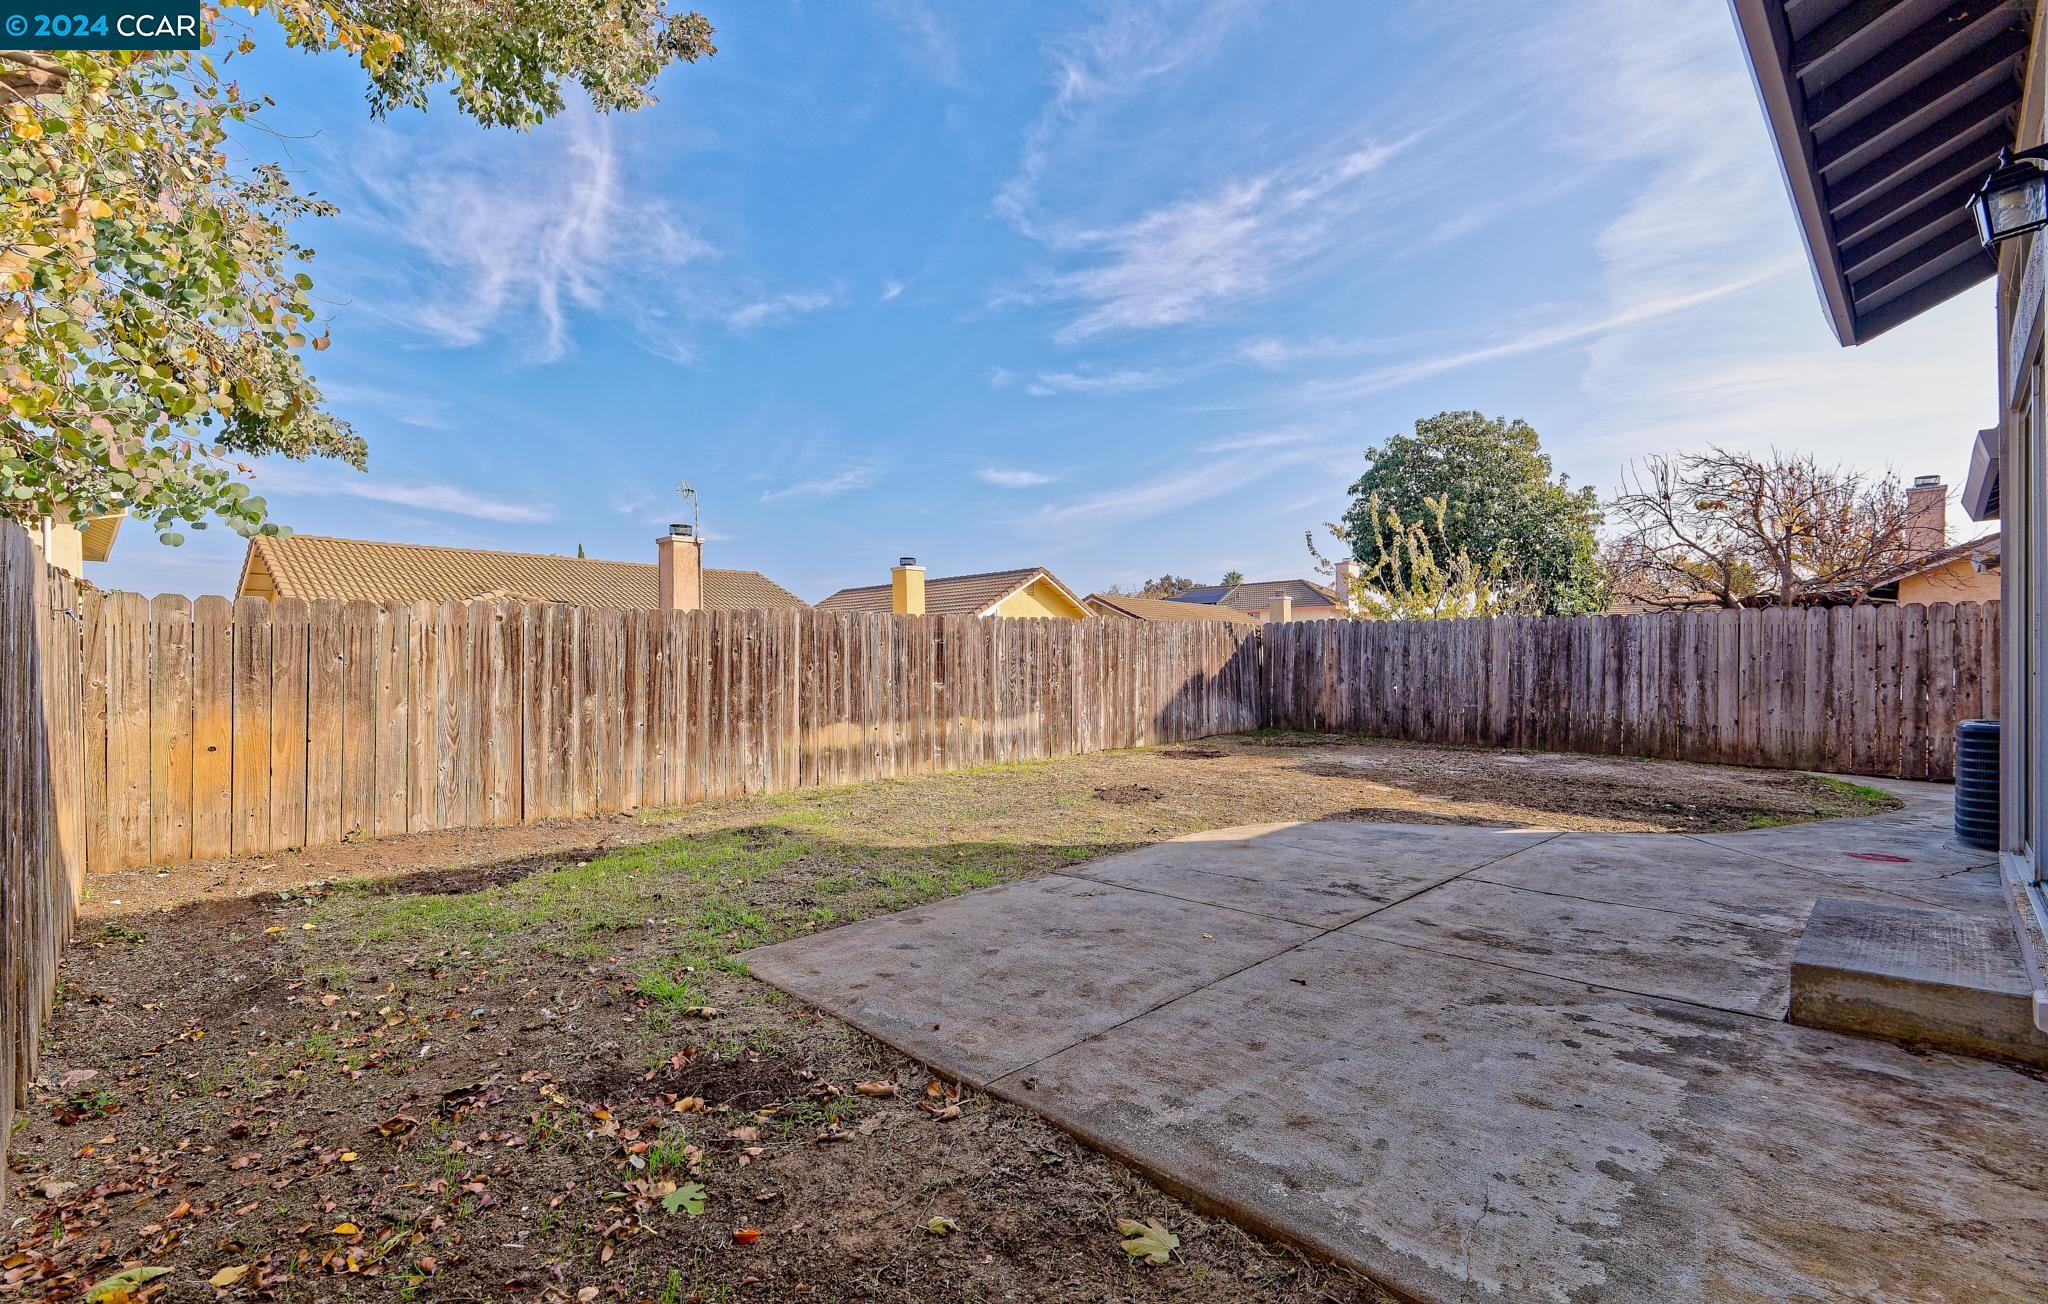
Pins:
x,y
523,1064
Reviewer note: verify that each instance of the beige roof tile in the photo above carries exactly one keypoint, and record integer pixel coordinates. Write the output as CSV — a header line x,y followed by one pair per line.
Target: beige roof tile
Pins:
x,y
951,595
1117,604
1259,595
316,566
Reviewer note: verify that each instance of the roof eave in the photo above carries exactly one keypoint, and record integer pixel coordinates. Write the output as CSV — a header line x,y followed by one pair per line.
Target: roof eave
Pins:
x,y
1761,23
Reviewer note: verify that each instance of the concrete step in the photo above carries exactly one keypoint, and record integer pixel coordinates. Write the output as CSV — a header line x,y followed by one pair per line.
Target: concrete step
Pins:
x,y
1935,977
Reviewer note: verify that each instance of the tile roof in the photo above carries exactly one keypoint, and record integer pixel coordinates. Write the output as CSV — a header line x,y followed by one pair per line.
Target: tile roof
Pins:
x,y
951,595
1987,547
314,566
1260,594
1162,609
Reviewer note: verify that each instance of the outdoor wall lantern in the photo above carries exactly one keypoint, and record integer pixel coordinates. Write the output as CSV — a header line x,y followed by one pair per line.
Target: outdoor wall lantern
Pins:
x,y
2014,199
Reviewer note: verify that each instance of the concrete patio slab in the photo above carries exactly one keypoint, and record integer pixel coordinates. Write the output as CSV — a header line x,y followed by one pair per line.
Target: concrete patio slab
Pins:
x,y
1705,958
1488,1064
1320,881
1461,1131
979,984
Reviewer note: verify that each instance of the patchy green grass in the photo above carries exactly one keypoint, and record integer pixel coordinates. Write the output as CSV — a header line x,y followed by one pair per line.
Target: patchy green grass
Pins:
x,y
1876,799
706,896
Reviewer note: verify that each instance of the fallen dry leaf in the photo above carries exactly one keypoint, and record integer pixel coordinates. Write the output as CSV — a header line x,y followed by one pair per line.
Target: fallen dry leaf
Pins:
x,y
746,1235
880,1089
121,1287
942,1226
228,1276
1148,1240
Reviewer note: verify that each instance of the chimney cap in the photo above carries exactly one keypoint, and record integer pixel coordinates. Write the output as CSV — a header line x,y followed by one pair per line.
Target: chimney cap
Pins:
x,y
682,531
1926,482
906,561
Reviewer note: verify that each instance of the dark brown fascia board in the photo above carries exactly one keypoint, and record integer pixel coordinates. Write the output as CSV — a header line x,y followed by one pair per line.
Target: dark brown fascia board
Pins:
x,y
1761,24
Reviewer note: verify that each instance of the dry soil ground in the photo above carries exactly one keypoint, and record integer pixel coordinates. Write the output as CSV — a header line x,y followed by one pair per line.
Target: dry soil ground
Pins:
x,y
522,1064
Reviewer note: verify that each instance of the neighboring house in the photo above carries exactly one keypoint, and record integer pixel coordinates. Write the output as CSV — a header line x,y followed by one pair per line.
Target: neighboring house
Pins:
x,y
1269,600
68,547
1127,608
1031,591
1967,572
313,566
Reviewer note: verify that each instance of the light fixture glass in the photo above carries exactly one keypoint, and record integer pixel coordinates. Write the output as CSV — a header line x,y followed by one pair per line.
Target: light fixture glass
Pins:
x,y
2014,199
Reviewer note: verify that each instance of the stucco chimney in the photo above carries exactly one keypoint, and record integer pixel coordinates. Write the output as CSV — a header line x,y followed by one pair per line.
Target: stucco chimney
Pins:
x,y
1283,608
906,588
679,579
1348,572
1927,514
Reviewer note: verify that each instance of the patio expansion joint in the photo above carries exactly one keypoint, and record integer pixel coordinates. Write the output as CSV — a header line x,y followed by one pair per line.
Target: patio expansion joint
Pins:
x,y
1316,936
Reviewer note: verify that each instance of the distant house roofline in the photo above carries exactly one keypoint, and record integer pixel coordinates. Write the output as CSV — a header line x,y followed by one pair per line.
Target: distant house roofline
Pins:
x,y
975,594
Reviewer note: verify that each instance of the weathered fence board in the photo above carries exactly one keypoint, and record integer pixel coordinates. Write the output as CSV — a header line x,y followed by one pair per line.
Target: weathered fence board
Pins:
x,y
1863,690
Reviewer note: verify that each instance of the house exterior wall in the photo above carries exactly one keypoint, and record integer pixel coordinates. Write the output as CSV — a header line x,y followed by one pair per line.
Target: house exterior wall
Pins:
x,y
2023,514
1039,599
63,546
1957,581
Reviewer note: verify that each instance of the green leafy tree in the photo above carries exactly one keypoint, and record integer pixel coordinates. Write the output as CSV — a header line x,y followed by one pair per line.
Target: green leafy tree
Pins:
x,y
1499,500
1415,573
1233,578
155,313
1166,586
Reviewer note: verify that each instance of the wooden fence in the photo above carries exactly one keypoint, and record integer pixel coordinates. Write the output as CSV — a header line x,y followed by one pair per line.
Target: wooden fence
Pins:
x,y
212,728
41,825
216,728
1873,690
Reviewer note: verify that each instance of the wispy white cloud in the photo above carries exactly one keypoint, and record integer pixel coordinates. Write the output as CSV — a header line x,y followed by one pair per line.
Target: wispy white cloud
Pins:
x,y
891,289
858,476
426,495
1542,338
1257,440
1003,477
1088,380
776,309
514,235
1138,42
938,54
1229,465
415,410
1187,259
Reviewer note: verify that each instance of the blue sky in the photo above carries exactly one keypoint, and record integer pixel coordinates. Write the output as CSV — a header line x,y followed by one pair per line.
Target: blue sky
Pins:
x,y
1115,288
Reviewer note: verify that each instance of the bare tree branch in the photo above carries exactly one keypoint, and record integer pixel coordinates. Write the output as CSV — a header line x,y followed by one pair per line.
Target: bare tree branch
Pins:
x,y
1724,527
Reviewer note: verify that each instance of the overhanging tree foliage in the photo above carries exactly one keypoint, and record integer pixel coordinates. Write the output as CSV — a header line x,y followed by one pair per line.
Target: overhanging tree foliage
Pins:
x,y
1414,573
1501,503
154,309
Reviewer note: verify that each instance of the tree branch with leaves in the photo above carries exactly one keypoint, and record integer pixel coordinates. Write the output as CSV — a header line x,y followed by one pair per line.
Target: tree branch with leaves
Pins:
x,y
1411,571
156,316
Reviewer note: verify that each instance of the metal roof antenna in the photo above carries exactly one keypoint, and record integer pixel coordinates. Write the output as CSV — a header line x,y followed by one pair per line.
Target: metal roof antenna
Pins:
x,y
688,493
